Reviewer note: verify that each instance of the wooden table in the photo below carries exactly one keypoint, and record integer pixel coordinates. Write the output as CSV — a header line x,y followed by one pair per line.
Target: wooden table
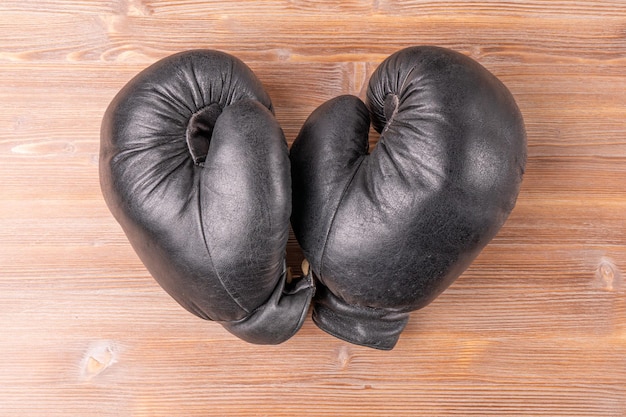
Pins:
x,y
536,326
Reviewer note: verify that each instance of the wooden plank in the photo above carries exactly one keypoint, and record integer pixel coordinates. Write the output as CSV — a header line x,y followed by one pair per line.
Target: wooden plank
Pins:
x,y
129,37
200,8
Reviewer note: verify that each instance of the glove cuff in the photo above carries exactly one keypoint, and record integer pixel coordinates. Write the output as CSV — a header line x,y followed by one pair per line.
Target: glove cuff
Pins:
x,y
280,317
372,327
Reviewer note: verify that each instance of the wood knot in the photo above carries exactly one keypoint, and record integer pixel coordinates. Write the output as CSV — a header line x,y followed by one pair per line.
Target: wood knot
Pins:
x,y
344,356
98,357
137,8
607,275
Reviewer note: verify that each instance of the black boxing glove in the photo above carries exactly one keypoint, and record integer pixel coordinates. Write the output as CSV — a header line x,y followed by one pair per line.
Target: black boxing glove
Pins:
x,y
195,168
386,232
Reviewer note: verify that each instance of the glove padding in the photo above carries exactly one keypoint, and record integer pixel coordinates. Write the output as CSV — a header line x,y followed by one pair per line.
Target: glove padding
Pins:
x,y
386,232
195,168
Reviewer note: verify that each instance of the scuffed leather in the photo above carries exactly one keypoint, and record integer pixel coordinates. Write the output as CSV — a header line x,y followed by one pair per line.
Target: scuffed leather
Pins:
x,y
195,168
386,232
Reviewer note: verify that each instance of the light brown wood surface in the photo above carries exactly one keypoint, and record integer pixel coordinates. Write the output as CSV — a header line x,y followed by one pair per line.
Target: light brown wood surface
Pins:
x,y
535,327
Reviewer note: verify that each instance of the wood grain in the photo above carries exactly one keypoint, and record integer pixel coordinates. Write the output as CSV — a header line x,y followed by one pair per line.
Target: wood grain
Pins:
x,y
536,326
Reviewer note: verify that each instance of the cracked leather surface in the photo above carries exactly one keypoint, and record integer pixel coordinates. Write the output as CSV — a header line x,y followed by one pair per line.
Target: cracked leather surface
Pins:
x,y
386,232
195,168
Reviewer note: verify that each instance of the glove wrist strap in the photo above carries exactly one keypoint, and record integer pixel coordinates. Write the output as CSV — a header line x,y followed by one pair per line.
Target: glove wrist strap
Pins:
x,y
278,318
372,327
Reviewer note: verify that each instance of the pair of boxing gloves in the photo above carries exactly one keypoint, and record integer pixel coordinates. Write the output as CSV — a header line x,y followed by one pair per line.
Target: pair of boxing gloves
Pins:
x,y
197,171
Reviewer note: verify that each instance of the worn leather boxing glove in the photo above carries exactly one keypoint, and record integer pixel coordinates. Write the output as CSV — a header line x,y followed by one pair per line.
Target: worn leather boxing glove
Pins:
x,y
386,232
195,168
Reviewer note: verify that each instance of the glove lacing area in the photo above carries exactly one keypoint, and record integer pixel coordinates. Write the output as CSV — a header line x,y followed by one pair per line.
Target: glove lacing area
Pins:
x,y
281,316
